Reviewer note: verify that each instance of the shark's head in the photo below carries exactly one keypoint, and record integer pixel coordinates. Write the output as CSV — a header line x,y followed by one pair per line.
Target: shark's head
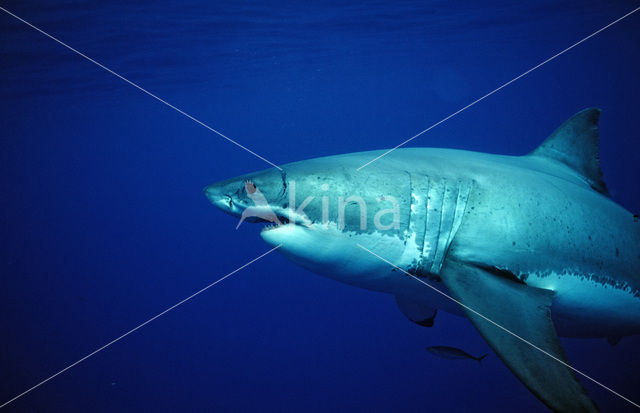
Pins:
x,y
237,195
319,210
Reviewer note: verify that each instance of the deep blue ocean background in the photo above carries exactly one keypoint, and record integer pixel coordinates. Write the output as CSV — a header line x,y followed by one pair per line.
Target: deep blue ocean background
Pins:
x,y
103,223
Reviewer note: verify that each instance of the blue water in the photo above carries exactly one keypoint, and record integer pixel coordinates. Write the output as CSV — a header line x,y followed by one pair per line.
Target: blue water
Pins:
x,y
103,223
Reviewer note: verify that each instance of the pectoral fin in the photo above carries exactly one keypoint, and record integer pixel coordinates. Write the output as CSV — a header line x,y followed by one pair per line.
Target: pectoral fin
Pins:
x,y
525,311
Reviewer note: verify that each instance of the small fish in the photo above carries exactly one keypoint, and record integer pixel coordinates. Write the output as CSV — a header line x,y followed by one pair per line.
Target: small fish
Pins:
x,y
452,353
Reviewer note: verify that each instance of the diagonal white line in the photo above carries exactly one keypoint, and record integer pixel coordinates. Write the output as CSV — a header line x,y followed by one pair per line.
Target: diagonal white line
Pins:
x,y
138,327
499,326
180,111
499,88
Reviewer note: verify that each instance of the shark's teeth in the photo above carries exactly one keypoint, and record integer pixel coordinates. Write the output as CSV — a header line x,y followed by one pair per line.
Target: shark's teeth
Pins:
x,y
272,225
269,227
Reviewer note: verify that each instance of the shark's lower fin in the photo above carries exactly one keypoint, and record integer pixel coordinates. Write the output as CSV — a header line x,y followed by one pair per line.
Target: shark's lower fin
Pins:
x,y
526,312
416,311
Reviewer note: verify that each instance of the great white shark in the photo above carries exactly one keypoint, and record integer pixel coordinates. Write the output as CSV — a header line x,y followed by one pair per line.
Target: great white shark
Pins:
x,y
533,243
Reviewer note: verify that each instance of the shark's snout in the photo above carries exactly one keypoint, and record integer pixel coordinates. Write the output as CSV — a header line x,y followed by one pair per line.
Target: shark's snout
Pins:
x,y
218,196
255,198
211,192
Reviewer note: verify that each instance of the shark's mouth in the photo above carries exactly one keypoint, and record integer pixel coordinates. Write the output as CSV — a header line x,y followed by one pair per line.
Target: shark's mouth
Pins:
x,y
271,225
283,217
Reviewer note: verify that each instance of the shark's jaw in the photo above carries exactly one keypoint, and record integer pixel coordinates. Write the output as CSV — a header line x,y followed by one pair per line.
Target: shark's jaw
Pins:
x,y
329,251
324,249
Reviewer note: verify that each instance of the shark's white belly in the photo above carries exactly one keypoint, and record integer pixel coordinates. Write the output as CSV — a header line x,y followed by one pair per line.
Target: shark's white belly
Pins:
x,y
340,255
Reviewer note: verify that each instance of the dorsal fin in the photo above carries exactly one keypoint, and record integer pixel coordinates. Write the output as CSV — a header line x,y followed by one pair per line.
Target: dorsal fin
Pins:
x,y
575,144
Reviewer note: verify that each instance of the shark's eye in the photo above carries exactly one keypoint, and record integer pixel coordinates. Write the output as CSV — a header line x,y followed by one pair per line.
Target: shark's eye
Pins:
x,y
230,203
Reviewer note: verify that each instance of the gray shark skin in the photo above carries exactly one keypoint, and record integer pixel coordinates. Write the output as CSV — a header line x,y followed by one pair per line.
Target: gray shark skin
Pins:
x,y
532,242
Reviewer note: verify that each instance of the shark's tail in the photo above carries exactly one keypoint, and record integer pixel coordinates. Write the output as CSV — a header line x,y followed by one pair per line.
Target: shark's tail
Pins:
x,y
481,358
